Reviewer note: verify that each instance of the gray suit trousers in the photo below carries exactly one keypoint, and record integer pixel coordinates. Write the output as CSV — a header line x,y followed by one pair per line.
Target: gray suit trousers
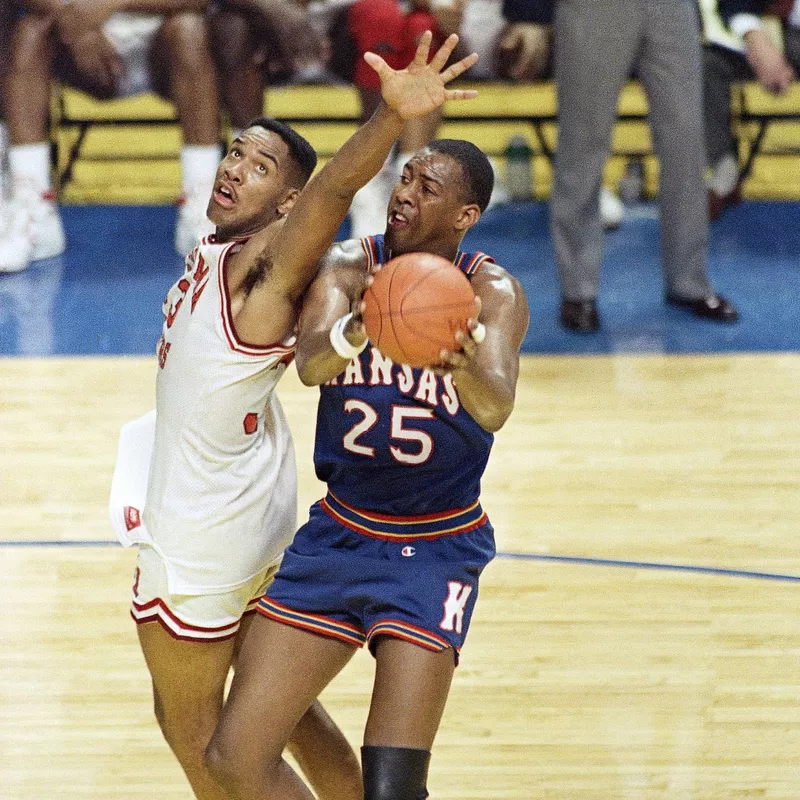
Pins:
x,y
598,45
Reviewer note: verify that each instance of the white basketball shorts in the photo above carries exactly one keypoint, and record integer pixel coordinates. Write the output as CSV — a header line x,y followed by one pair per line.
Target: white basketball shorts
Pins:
x,y
197,618
132,35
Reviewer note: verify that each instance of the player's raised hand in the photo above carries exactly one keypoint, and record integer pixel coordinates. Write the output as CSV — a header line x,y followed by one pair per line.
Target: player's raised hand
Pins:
x,y
420,87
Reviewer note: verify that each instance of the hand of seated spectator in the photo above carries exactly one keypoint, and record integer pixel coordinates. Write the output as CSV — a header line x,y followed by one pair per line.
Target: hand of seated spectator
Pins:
x,y
97,61
76,17
523,51
772,69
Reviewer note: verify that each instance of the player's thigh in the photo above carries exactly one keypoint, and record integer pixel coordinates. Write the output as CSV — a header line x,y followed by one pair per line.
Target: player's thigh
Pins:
x,y
181,43
8,20
280,670
188,676
31,42
409,695
233,43
189,641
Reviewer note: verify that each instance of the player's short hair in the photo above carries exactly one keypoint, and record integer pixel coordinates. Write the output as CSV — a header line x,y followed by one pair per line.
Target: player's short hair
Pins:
x,y
302,153
475,167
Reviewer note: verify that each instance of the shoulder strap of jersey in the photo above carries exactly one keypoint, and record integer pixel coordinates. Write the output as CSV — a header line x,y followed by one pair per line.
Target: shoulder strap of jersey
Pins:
x,y
469,263
373,248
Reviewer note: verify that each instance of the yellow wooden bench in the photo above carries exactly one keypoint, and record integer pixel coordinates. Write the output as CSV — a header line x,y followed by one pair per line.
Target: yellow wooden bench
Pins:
x,y
768,131
126,150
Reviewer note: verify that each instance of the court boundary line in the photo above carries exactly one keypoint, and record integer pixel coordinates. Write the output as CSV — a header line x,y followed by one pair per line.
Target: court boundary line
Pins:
x,y
579,560
654,565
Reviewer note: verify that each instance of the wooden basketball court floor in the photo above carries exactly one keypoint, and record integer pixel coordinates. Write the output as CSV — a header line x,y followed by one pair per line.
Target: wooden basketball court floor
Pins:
x,y
638,636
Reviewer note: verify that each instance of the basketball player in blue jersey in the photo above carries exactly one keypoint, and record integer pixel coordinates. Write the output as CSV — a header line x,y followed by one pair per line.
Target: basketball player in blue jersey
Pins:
x,y
392,555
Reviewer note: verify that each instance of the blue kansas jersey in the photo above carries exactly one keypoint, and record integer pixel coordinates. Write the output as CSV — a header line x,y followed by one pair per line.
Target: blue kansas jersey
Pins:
x,y
396,441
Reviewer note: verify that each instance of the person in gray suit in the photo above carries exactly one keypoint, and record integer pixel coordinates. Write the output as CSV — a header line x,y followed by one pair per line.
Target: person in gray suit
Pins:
x,y
598,45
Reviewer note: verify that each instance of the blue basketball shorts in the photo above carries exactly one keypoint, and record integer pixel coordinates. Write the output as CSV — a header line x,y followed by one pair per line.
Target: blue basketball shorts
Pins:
x,y
342,583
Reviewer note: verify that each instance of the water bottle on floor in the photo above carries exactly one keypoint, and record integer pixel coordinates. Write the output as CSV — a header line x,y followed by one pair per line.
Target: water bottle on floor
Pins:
x,y
519,175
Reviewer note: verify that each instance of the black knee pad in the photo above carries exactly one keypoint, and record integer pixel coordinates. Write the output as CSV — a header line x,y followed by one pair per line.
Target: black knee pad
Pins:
x,y
395,773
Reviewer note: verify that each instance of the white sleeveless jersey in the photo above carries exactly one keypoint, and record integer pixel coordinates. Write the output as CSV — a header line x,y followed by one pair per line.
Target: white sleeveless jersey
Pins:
x,y
222,491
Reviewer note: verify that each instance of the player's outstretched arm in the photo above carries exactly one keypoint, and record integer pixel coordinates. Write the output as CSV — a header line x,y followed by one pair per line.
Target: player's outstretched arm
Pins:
x,y
314,220
486,374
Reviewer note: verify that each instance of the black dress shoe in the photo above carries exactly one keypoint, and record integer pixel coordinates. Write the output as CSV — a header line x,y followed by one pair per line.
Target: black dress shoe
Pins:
x,y
714,307
580,316
717,203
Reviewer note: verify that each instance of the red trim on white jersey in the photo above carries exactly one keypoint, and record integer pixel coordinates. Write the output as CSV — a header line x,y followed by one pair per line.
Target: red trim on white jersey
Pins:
x,y
157,611
234,342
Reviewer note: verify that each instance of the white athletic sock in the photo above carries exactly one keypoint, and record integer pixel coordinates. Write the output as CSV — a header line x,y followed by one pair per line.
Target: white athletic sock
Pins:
x,y
724,175
199,164
30,163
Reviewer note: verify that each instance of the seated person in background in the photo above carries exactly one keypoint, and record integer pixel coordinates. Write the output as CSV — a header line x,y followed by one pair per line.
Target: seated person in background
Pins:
x,y
260,43
385,27
108,53
513,39
739,48
515,33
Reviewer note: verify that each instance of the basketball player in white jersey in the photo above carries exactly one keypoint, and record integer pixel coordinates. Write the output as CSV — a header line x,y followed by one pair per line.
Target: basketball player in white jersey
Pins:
x,y
220,499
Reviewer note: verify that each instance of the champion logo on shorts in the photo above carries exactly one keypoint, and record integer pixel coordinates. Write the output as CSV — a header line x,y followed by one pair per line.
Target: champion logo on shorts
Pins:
x,y
408,551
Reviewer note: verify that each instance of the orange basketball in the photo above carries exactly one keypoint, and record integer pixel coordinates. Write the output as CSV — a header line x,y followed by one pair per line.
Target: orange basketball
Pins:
x,y
416,306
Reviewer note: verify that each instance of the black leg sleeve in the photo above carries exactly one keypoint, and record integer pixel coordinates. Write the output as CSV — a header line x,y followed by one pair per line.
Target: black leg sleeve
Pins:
x,y
395,773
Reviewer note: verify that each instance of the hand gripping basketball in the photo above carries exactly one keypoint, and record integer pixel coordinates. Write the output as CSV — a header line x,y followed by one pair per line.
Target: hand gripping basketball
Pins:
x,y
416,307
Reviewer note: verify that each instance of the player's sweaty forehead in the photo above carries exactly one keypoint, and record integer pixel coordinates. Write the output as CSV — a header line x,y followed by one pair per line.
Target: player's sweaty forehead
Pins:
x,y
433,166
267,144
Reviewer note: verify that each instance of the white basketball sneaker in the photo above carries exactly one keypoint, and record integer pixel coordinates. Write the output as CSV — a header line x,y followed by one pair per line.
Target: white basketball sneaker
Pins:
x,y
30,228
192,224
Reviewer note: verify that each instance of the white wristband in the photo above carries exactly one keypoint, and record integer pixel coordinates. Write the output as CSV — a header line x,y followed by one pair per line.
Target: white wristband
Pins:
x,y
339,342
